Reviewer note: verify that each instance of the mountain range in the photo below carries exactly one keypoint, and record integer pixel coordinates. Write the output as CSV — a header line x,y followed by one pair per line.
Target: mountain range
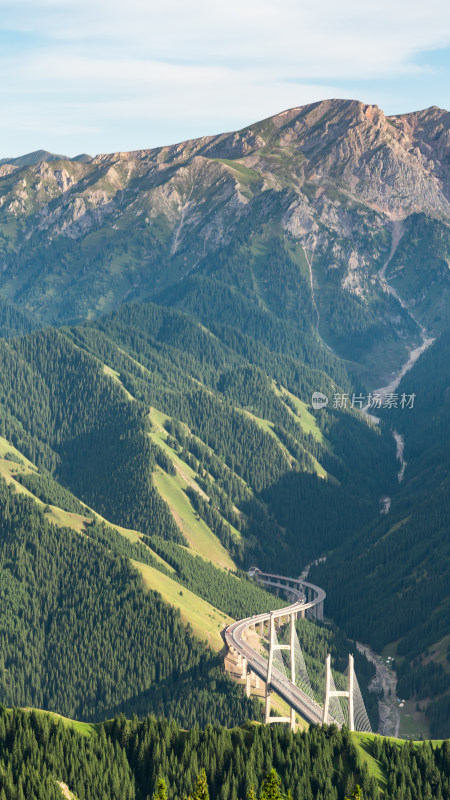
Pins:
x,y
81,236
166,316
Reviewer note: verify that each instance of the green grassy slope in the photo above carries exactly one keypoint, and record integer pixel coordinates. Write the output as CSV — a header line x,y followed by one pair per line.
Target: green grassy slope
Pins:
x,y
195,610
206,622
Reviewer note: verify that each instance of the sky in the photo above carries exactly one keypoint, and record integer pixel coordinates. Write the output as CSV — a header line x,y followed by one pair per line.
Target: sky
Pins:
x,y
97,76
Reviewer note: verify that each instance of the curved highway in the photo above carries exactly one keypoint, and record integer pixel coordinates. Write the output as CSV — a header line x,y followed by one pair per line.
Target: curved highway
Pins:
x,y
234,636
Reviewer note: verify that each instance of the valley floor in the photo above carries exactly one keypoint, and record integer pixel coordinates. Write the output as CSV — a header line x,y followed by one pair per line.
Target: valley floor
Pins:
x,y
384,681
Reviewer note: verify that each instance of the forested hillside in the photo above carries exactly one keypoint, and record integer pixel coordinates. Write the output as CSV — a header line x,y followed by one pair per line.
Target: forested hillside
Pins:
x,y
62,628
79,635
162,424
246,436
14,321
94,428
405,558
66,416
203,293
275,438
131,760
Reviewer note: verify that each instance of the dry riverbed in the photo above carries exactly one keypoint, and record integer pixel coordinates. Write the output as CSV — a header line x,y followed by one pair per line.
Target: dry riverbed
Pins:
x,y
385,680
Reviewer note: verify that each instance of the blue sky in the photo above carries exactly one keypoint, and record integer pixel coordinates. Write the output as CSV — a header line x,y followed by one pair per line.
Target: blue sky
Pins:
x,y
100,75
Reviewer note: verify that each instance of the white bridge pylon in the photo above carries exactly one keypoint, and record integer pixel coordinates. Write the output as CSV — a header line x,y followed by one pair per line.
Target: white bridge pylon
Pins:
x,y
329,697
273,647
331,692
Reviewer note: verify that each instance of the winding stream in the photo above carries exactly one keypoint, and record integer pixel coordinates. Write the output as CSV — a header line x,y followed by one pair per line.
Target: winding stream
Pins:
x,y
413,356
385,679
400,442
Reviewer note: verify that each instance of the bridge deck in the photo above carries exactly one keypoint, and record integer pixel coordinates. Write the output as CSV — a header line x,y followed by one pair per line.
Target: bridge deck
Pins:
x,y
234,634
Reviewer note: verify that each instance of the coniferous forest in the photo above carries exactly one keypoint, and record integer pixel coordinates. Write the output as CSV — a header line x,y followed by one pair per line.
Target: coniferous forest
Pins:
x,y
257,464
90,642
131,760
161,351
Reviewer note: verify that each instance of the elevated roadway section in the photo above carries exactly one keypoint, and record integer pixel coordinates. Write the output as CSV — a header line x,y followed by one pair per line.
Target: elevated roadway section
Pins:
x,y
307,599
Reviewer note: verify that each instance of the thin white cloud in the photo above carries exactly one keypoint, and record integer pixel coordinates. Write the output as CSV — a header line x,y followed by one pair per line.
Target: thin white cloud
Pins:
x,y
79,66
131,90
310,38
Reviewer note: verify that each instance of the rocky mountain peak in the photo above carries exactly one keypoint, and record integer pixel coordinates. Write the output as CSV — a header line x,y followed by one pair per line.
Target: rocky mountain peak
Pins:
x,y
329,175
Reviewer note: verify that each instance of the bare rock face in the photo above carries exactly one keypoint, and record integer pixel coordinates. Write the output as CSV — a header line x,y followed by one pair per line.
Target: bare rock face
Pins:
x,y
398,164
332,177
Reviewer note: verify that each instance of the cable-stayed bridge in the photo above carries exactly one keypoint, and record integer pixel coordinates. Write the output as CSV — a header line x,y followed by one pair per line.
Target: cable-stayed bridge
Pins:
x,y
329,698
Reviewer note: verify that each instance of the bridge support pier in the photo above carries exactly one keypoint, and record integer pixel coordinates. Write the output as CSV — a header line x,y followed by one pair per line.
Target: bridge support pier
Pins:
x,y
267,707
247,682
292,723
332,693
292,653
272,648
326,704
351,682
